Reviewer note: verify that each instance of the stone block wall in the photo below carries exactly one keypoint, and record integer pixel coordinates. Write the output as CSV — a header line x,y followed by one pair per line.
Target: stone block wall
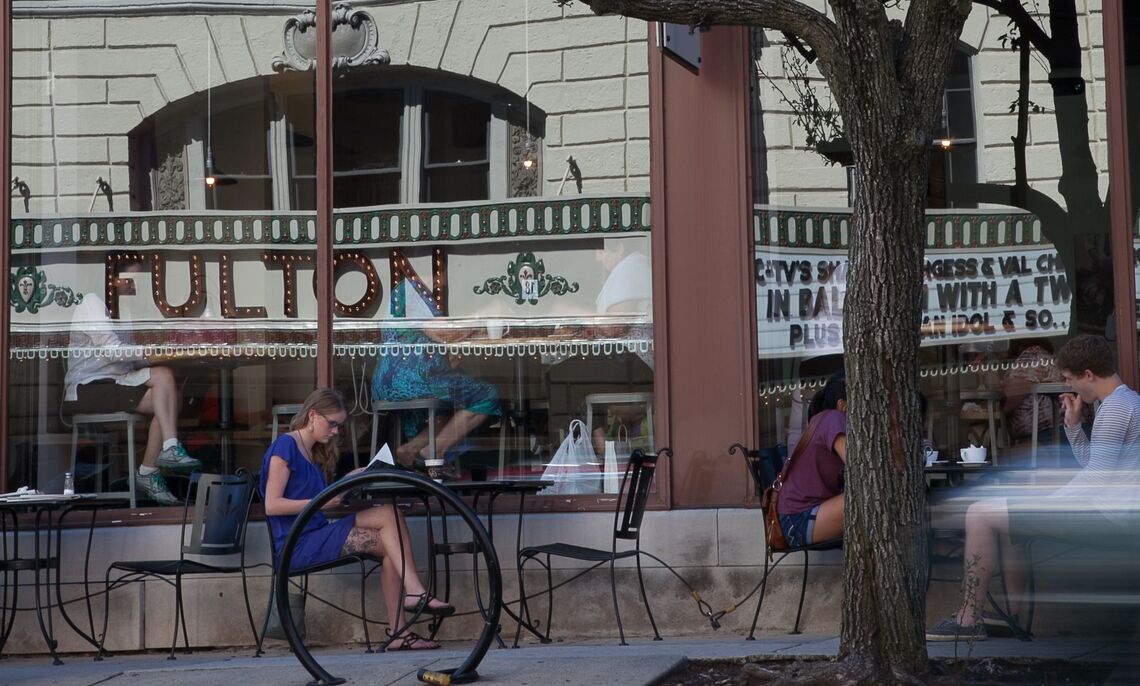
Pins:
x,y
83,81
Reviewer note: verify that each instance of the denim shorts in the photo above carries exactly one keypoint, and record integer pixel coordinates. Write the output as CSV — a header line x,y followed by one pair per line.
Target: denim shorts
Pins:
x,y
799,528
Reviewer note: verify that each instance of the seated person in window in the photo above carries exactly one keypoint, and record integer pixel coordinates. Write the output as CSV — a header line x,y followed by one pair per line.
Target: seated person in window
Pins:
x,y
811,500
1032,364
627,290
107,373
431,375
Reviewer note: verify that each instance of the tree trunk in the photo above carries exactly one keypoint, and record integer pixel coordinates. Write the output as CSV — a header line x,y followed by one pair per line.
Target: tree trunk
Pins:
x,y
885,544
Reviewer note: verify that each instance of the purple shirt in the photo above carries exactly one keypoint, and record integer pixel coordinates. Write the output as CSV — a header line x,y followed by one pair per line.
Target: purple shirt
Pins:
x,y
817,474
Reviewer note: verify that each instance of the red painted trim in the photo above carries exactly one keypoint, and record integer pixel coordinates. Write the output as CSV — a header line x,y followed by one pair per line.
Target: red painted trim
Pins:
x,y
5,221
658,252
1121,203
324,172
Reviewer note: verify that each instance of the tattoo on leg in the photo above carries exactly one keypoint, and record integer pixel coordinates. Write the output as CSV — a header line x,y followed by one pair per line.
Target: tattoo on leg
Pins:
x,y
362,541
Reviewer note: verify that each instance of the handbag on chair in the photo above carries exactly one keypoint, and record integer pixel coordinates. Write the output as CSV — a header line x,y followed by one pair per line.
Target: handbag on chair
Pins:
x,y
770,498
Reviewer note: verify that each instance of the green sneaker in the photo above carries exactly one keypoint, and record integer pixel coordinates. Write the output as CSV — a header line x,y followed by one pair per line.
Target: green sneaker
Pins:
x,y
153,487
176,459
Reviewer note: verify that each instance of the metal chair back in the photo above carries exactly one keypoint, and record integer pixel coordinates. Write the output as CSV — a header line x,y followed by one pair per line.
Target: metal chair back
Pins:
x,y
634,493
221,508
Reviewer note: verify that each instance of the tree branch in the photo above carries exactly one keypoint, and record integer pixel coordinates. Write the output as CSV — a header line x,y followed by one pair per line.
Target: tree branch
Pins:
x,y
813,27
1029,29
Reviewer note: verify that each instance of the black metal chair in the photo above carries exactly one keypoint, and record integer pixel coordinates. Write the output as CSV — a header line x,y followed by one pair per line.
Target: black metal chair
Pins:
x,y
211,538
764,466
304,573
628,514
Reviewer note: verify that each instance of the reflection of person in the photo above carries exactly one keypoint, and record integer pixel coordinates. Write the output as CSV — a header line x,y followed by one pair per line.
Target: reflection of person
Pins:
x,y
106,373
1032,364
811,499
431,375
295,469
1086,507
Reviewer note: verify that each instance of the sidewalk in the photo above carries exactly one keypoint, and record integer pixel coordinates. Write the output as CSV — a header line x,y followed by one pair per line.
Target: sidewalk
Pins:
x,y
567,663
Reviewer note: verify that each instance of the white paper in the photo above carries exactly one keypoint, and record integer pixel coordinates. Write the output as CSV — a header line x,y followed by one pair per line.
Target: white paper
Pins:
x,y
383,456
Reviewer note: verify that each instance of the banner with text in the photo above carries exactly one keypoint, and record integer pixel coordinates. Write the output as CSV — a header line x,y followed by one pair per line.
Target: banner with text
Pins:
x,y
969,294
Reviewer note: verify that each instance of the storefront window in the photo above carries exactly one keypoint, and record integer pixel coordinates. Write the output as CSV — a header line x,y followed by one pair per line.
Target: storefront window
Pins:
x,y
1017,236
153,290
491,240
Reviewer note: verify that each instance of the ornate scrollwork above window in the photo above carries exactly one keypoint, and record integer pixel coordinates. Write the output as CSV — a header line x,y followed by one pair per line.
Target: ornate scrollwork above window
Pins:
x,y
355,41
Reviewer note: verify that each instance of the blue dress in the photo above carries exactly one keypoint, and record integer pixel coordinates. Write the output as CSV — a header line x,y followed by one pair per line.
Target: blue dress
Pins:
x,y
424,375
322,540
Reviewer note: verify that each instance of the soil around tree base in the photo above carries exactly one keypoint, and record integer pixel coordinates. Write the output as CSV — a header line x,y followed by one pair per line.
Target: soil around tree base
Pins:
x,y
826,671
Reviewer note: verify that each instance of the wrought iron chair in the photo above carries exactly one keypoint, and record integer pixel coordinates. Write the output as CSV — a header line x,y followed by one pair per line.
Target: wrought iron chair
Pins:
x,y
628,514
212,535
764,466
304,573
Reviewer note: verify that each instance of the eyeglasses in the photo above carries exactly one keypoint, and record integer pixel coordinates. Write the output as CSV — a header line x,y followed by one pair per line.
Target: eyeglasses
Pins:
x,y
334,426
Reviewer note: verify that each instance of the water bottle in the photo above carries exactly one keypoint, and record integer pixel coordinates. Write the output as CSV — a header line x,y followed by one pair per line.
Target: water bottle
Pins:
x,y
68,483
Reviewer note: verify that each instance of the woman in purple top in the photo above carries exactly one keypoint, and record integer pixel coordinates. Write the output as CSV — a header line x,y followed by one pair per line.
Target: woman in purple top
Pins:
x,y
295,469
811,498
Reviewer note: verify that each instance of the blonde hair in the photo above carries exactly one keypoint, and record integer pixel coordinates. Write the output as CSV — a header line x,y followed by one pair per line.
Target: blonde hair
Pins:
x,y
323,401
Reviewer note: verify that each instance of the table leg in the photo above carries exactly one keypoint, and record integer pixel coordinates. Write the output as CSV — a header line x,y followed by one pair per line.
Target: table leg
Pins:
x,y
226,415
37,562
89,637
8,618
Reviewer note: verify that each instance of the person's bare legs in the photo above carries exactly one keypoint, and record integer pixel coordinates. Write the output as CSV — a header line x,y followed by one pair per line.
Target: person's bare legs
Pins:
x,y
987,521
829,519
459,425
161,402
382,532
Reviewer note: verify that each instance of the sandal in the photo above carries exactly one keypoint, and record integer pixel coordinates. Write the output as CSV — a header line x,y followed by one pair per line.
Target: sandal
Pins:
x,y
410,640
421,604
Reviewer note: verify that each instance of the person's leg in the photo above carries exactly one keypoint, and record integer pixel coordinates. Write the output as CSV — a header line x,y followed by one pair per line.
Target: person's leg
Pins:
x,y
829,521
153,443
1015,573
986,522
161,401
461,423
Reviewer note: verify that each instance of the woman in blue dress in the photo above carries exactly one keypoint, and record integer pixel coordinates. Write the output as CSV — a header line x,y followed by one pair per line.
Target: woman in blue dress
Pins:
x,y
296,467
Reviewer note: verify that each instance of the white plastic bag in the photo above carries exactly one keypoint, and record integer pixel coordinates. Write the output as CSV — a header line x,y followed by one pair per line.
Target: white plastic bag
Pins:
x,y
573,469
617,457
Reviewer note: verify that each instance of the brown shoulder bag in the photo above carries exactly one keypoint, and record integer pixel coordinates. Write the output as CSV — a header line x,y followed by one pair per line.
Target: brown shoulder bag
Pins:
x,y
771,495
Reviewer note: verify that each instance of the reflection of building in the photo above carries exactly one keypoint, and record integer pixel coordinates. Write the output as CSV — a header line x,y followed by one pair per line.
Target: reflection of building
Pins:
x,y
433,200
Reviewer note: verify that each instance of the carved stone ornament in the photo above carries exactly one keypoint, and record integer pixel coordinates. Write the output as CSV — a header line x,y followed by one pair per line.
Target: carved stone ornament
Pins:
x,y
170,181
31,291
355,41
526,281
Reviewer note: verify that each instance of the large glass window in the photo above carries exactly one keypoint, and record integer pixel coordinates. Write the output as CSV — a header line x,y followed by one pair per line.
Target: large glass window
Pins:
x,y
1017,237
142,306
164,233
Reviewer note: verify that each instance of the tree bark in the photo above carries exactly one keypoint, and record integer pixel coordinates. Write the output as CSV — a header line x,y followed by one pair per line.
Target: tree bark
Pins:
x,y
888,79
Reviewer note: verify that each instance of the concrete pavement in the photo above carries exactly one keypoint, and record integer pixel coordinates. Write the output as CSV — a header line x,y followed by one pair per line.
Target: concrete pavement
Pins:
x,y
561,663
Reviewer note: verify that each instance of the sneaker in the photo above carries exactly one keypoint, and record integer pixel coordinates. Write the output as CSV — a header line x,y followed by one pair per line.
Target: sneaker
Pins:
x,y
950,630
175,458
153,487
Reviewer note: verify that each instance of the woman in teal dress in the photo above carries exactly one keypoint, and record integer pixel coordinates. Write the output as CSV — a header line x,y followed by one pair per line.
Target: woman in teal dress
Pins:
x,y
296,467
422,374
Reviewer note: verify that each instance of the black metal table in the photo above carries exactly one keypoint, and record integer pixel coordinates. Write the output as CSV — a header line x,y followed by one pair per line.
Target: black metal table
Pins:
x,y
49,513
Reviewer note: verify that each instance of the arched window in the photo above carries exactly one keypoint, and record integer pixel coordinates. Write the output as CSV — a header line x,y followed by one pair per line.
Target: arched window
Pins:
x,y
400,136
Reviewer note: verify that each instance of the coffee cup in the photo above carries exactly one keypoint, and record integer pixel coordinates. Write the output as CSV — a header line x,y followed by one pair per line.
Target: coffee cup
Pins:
x,y
435,468
931,457
496,328
973,455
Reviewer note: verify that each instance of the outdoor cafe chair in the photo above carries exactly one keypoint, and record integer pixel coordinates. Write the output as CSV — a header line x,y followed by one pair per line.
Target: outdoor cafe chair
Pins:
x,y
304,572
628,513
212,535
764,465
